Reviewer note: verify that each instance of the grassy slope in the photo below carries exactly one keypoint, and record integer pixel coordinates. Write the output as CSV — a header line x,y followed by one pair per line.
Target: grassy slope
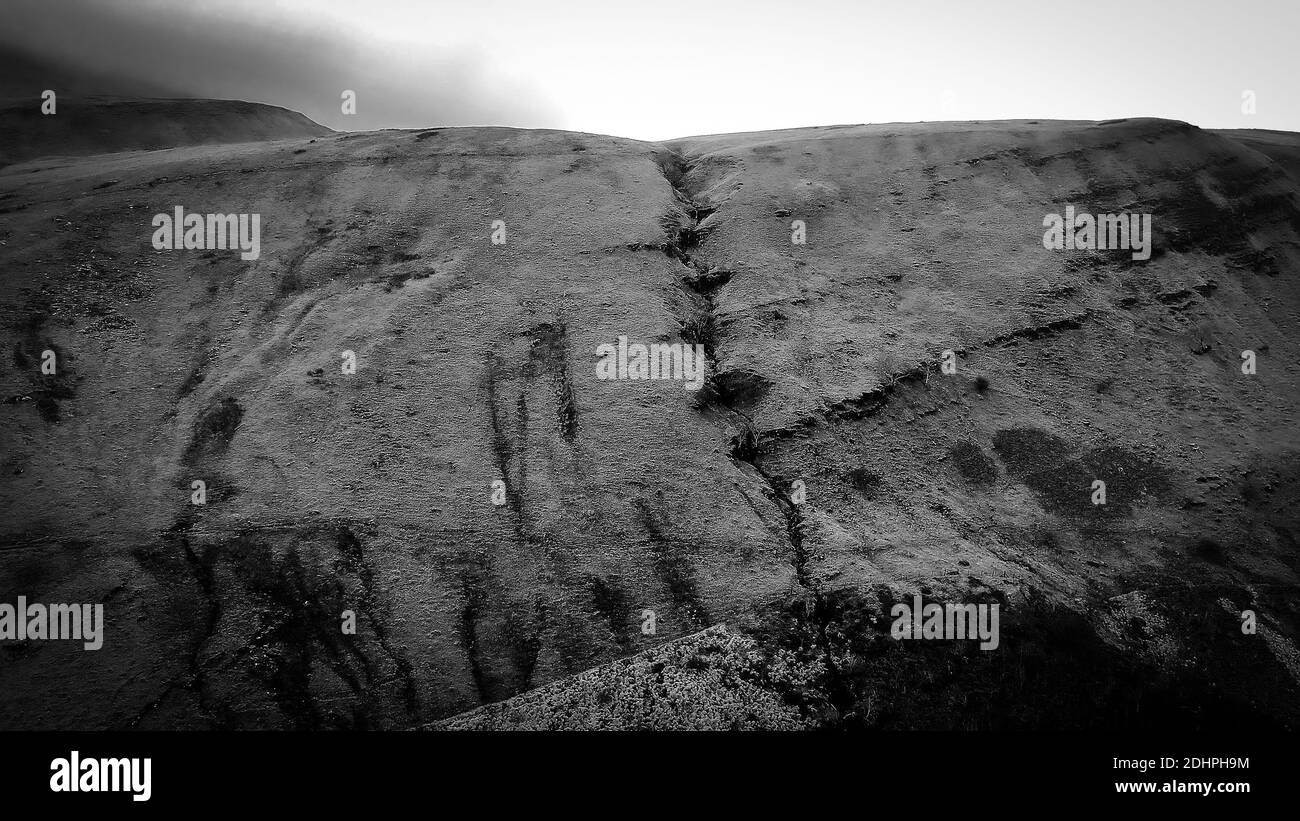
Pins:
x,y
371,491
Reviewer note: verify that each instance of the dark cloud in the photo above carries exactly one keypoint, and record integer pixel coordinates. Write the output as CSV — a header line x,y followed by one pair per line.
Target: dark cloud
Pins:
x,y
94,46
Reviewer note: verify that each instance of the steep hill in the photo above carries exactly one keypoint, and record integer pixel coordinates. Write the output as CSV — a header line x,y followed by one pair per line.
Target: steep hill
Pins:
x,y
372,492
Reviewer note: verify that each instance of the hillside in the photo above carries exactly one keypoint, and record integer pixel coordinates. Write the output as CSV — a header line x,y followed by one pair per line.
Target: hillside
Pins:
x,y
476,362
1283,147
102,125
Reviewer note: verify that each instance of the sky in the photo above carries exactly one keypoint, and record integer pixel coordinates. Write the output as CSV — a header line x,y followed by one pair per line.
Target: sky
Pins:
x,y
673,68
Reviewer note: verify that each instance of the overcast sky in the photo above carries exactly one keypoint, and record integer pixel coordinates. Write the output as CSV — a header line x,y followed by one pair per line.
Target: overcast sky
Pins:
x,y
672,68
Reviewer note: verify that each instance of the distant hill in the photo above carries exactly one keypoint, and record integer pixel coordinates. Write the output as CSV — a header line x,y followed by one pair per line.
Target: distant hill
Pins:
x,y
1282,147
103,125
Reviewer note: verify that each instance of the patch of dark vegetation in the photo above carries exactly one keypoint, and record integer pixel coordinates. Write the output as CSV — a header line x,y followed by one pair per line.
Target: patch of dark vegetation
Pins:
x,y
213,430
673,566
31,572
503,446
1209,550
196,374
981,385
746,444
192,619
811,631
549,353
973,464
352,550
48,389
614,607
1023,449
865,482
1256,488
192,381
739,389
295,605
521,633
473,589
424,135
1051,671
1063,481
292,609
45,401
708,281
1216,213
1127,475
1219,676
290,283
701,328
1250,200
